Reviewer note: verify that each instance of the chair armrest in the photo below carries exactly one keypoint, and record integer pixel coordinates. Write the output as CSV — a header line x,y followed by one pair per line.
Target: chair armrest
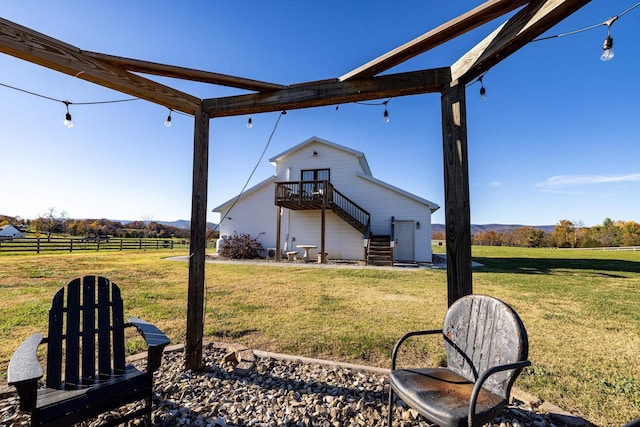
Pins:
x,y
404,338
156,341
25,370
484,376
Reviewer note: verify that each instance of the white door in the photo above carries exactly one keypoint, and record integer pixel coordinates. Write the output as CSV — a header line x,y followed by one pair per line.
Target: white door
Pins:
x,y
403,247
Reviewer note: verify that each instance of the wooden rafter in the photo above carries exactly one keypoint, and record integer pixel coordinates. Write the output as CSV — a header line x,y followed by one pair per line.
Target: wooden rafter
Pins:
x,y
37,48
118,73
527,24
482,14
330,93
183,73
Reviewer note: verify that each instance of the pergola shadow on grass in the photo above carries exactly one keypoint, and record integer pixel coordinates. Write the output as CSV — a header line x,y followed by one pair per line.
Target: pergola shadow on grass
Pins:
x,y
522,265
363,83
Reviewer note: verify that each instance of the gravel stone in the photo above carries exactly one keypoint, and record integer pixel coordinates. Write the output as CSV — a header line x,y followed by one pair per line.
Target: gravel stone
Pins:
x,y
274,393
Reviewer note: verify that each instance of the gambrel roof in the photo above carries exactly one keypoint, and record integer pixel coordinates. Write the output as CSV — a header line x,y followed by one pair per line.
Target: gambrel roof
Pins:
x,y
314,139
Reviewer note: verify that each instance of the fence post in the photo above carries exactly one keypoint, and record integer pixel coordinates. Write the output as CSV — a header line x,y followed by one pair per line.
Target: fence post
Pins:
x,y
38,246
71,245
120,244
141,243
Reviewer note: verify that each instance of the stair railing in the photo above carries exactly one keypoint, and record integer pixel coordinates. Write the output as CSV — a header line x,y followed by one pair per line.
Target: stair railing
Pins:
x,y
351,209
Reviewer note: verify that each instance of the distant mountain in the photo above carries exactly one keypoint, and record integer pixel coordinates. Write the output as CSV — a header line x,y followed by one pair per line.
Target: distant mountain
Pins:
x,y
495,227
181,223
184,223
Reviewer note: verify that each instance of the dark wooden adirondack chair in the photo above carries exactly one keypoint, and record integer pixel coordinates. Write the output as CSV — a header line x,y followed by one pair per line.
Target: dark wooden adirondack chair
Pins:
x,y
487,348
86,331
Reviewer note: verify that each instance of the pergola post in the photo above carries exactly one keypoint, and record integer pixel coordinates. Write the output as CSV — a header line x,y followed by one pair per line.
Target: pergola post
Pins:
x,y
278,232
197,249
456,192
323,221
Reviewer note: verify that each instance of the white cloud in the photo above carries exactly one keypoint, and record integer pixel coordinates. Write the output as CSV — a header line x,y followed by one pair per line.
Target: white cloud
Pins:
x,y
562,181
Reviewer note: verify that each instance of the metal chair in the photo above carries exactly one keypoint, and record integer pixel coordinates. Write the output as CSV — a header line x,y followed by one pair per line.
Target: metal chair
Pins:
x,y
487,348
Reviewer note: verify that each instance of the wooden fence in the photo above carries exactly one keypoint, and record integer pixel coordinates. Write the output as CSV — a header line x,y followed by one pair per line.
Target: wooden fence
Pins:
x,y
70,245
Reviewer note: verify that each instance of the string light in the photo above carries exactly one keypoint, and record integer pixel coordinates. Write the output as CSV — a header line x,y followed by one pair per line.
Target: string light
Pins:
x,y
385,116
607,44
483,91
249,123
67,117
167,122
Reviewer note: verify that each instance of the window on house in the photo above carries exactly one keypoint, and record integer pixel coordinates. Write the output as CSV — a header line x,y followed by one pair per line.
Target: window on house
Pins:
x,y
315,175
316,188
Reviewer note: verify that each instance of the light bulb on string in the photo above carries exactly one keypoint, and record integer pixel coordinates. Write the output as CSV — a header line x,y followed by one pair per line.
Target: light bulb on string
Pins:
x,y
607,45
67,117
607,49
249,123
167,122
385,116
483,91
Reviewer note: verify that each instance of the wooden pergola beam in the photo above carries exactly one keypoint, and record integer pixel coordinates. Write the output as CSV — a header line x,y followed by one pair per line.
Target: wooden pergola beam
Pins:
x,y
183,73
331,92
522,28
474,18
34,47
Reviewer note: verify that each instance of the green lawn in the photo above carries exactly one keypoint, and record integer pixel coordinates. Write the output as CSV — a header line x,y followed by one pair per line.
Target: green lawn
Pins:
x,y
580,309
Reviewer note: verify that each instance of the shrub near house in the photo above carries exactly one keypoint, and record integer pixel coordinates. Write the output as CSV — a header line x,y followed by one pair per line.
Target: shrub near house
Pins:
x,y
241,246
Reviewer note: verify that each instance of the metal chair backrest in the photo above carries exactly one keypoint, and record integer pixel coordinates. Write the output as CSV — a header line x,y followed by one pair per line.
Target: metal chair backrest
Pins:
x,y
88,328
481,332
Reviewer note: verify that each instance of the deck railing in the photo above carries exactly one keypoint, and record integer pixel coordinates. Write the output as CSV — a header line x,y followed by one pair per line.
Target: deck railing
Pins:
x,y
314,194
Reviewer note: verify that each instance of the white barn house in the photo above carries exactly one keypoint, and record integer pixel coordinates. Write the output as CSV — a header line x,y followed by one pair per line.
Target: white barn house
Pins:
x,y
323,194
10,232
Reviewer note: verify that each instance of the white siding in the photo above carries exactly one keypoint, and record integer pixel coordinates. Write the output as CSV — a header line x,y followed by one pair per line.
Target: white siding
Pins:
x,y
383,203
343,166
341,240
256,212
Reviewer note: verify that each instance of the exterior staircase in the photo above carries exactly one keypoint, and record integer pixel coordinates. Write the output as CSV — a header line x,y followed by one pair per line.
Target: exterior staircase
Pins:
x,y
311,195
380,251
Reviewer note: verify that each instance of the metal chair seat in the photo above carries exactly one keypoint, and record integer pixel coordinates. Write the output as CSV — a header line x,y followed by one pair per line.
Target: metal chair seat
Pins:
x,y
442,396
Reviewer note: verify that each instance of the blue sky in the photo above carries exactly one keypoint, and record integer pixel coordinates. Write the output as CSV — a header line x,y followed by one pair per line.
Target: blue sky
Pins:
x,y
557,137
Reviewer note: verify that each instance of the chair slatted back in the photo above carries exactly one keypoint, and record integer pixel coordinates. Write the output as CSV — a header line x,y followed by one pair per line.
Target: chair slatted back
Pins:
x,y
481,332
93,311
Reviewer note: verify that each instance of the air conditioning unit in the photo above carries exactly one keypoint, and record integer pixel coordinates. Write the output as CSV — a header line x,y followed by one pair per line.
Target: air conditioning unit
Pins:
x,y
271,253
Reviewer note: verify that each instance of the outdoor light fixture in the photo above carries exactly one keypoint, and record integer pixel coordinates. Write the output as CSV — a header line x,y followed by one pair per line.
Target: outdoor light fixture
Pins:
x,y
607,50
167,122
483,91
67,117
249,123
607,44
315,153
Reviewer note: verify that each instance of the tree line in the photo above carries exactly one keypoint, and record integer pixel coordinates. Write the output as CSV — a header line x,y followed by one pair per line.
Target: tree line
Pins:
x,y
57,223
566,234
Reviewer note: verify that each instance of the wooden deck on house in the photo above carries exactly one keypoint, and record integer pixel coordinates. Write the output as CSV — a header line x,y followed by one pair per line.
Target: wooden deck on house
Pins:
x,y
321,194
